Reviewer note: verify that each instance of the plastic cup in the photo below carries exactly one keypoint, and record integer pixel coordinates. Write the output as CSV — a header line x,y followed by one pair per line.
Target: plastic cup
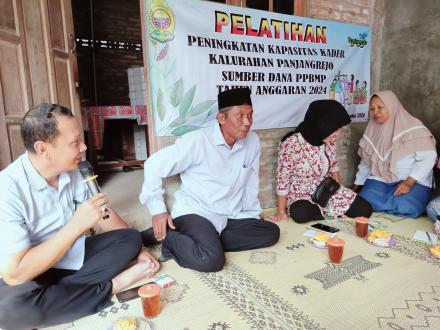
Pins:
x,y
335,248
361,226
150,297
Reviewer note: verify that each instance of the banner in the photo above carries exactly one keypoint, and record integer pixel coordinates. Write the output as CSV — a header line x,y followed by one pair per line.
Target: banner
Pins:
x,y
197,49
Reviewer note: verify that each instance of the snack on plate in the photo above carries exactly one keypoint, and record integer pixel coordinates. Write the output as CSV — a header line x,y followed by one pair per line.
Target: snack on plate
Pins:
x,y
380,237
320,240
126,323
435,251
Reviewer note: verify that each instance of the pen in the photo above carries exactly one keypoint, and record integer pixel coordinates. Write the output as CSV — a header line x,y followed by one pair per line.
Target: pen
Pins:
x,y
429,237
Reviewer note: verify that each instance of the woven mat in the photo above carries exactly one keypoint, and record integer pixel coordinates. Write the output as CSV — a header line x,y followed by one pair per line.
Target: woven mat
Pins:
x,y
293,286
391,217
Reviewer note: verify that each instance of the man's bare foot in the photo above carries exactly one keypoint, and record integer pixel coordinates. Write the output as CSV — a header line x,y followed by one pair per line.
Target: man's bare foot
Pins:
x,y
131,275
278,217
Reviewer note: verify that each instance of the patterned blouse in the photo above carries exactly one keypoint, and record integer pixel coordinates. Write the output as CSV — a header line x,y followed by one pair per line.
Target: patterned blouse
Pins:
x,y
302,166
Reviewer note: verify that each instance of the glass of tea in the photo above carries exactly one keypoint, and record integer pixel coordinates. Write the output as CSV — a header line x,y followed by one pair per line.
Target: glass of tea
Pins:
x,y
361,226
335,247
150,297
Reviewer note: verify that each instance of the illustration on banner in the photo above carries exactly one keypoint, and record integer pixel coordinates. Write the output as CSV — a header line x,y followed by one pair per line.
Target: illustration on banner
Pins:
x,y
186,116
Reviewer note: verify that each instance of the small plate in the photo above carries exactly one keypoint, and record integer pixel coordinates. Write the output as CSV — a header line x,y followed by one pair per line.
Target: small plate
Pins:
x,y
391,243
433,255
143,324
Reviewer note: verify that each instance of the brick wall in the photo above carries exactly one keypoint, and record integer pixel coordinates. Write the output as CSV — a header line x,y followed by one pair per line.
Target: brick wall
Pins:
x,y
347,11
113,20
81,18
111,74
116,19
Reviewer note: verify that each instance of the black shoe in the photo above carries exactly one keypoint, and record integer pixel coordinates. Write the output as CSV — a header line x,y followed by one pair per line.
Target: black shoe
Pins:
x,y
148,238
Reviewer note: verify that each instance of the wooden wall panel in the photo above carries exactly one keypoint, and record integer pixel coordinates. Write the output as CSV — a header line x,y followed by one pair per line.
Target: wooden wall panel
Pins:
x,y
62,81
17,147
7,16
5,150
14,87
37,64
37,58
57,29
14,98
70,51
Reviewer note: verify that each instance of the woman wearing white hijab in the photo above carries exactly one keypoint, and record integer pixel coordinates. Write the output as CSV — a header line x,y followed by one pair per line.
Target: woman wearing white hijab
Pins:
x,y
397,157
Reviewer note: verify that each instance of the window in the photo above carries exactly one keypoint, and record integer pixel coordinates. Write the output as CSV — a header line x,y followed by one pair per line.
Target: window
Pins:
x,y
283,6
289,7
258,4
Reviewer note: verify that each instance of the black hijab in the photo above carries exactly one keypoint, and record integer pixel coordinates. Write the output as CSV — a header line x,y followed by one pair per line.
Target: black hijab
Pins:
x,y
323,117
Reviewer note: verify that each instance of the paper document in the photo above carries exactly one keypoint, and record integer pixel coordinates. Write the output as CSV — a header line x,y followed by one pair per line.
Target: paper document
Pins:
x,y
425,236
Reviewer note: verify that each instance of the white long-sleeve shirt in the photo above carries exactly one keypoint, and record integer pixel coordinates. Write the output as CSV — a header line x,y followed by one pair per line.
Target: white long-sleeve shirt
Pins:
x,y
417,165
218,182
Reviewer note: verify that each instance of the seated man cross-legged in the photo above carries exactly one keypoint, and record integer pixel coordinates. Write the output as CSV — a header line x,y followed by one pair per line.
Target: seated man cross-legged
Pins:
x,y
50,272
216,208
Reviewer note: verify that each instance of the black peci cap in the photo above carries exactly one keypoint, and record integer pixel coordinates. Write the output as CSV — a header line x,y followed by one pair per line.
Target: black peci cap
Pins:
x,y
232,97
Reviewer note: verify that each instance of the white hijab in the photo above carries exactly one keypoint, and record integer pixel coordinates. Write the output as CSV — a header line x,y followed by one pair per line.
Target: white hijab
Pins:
x,y
384,144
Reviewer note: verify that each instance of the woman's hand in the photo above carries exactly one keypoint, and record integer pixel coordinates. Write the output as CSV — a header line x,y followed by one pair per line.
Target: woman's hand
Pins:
x,y
405,186
278,217
281,210
336,176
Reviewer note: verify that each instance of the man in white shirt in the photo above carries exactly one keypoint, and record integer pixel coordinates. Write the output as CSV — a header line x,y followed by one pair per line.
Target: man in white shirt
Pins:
x,y
216,208
50,272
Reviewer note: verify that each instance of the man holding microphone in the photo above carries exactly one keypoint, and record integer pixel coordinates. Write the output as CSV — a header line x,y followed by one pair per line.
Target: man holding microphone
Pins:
x,y
50,272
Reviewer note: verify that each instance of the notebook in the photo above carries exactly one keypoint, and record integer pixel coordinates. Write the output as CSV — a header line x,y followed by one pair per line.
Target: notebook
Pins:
x,y
425,236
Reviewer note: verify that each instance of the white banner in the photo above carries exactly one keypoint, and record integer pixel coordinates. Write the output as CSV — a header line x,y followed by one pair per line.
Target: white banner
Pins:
x,y
197,49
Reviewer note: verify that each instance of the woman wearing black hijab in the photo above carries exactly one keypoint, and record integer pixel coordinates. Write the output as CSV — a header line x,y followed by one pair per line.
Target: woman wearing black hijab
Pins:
x,y
306,161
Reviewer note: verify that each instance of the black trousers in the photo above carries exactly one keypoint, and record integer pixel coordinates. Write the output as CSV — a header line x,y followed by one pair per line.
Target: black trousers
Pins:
x,y
60,295
303,210
196,244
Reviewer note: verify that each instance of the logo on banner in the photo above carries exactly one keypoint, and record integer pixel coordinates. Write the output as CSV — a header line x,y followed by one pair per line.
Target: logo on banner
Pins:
x,y
361,42
160,21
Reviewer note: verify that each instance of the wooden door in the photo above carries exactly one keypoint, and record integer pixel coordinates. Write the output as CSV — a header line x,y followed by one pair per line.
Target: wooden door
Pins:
x,y
37,64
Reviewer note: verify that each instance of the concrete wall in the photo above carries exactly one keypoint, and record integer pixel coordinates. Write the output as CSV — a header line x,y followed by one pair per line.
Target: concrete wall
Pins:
x,y
410,57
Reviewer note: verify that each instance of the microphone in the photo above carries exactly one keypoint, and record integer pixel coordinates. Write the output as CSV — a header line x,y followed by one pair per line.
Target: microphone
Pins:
x,y
86,170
